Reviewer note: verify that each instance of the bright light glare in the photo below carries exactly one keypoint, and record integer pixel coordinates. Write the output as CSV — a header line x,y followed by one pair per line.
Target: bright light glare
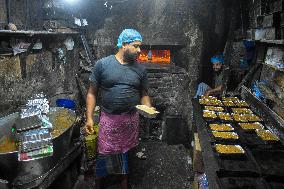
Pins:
x,y
71,1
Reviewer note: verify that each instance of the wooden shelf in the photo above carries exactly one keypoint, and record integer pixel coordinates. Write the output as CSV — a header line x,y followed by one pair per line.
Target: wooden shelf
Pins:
x,y
275,42
267,41
32,32
274,67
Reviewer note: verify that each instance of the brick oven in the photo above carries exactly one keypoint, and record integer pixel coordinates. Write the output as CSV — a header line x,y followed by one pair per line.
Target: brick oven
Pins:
x,y
168,89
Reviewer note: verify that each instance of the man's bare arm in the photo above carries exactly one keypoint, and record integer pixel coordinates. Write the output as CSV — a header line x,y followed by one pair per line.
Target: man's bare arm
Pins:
x,y
216,90
145,99
90,106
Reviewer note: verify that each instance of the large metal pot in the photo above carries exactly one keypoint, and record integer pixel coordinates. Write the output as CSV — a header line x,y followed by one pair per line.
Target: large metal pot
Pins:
x,y
8,161
24,172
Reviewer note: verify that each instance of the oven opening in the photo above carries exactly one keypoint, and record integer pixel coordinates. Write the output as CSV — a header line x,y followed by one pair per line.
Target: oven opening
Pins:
x,y
155,56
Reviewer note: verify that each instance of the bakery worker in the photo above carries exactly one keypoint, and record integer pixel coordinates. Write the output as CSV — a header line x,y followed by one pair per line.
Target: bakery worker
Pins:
x,y
204,89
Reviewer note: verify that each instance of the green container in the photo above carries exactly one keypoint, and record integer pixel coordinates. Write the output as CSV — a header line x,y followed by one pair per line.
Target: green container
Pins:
x,y
91,144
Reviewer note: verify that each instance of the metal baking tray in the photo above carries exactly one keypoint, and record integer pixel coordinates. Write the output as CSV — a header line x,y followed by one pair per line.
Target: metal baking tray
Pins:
x,y
242,183
244,166
270,162
275,182
252,141
223,140
232,156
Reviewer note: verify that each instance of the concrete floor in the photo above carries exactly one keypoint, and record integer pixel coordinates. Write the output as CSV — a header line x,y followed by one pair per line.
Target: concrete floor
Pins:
x,y
166,167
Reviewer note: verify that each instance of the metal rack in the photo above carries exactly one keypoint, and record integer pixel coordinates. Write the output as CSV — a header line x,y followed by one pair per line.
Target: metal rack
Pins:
x,y
32,32
217,169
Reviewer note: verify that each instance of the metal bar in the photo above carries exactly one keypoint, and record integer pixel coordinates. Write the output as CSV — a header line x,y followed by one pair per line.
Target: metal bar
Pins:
x,y
27,14
82,87
229,47
8,7
23,64
31,32
248,76
89,55
23,60
274,122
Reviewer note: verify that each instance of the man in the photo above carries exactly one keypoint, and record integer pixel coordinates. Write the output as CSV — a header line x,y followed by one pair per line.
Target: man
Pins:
x,y
203,88
123,84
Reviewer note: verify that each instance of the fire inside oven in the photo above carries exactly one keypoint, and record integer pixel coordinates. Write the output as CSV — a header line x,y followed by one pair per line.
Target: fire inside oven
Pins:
x,y
155,56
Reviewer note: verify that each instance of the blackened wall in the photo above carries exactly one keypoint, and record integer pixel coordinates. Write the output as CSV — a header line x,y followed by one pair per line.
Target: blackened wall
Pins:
x,y
44,70
169,89
40,70
197,27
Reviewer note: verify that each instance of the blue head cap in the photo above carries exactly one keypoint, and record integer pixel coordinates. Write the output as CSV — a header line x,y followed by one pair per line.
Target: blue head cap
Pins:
x,y
248,44
128,36
244,65
218,58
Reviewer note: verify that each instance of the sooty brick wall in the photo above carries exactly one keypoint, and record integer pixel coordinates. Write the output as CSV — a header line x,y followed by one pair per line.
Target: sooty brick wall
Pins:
x,y
169,89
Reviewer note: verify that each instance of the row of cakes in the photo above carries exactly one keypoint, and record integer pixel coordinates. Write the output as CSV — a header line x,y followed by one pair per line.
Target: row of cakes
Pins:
x,y
214,108
229,149
226,101
239,108
226,131
210,115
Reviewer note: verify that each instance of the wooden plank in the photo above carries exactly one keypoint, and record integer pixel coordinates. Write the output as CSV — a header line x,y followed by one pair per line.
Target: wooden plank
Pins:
x,y
195,182
197,142
198,166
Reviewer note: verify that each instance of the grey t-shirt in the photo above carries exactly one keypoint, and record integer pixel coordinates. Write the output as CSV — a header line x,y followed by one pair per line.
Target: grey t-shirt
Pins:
x,y
120,85
218,79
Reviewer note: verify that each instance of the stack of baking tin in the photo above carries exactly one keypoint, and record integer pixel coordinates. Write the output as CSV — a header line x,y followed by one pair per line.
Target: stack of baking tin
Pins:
x,y
249,154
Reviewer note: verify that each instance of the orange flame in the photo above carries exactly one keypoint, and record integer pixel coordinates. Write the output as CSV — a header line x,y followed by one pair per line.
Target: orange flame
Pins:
x,y
158,56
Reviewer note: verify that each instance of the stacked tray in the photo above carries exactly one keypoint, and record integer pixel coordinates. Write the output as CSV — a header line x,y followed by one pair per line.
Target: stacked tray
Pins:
x,y
236,164
242,183
237,167
217,117
210,101
225,137
275,182
225,117
242,167
245,165
229,151
249,136
270,162
222,133
244,118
